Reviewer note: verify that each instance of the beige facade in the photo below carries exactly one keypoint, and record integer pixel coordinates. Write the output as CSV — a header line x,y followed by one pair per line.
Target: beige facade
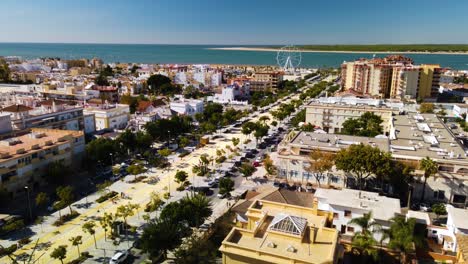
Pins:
x,y
24,160
429,80
405,82
113,117
265,81
330,117
390,77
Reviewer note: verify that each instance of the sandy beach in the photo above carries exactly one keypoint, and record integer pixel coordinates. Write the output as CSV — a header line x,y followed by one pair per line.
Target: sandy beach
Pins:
x,y
338,51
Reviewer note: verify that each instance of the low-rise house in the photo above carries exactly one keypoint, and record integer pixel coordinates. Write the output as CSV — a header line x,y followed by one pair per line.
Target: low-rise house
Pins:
x,y
110,116
282,233
187,106
346,204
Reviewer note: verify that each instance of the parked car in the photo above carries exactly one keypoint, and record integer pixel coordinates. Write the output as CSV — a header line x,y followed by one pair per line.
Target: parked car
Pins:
x,y
204,227
119,257
256,164
222,196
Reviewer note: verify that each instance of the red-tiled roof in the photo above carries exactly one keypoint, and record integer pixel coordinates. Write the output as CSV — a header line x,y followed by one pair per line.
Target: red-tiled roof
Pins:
x,y
17,108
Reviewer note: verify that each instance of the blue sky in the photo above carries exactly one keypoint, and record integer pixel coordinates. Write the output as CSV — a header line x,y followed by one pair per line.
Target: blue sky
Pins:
x,y
238,22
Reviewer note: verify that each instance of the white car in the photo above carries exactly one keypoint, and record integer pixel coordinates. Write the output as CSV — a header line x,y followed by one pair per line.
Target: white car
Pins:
x,y
119,257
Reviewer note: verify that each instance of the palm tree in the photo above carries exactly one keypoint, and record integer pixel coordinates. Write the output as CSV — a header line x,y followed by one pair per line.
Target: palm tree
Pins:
x,y
430,168
403,236
200,207
363,240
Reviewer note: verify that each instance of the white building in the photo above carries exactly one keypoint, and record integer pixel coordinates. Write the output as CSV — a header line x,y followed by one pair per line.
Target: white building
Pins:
x,y
110,116
347,204
457,224
199,77
233,94
460,109
187,106
216,79
180,78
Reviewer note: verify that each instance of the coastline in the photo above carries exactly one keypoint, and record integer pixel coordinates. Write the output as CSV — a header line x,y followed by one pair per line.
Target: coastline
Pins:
x,y
338,51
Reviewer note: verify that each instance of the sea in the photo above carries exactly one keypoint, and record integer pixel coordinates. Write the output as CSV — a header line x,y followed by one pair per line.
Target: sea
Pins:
x,y
202,54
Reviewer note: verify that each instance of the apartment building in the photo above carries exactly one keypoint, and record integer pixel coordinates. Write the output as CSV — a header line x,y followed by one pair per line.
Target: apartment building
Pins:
x,y
51,114
24,159
282,233
330,117
412,137
346,204
405,82
429,80
109,116
390,77
265,81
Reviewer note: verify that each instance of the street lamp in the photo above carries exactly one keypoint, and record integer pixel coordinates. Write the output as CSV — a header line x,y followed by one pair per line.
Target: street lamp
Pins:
x,y
29,203
112,159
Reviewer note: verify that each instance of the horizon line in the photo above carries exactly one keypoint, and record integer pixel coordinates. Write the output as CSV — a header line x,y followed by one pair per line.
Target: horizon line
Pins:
x,y
215,44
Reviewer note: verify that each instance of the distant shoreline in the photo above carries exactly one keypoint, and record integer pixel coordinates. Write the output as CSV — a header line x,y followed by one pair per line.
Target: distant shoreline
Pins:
x,y
338,51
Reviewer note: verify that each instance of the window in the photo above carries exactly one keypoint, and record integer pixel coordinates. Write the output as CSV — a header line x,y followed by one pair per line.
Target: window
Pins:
x,y
441,195
347,213
459,198
350,229
335,216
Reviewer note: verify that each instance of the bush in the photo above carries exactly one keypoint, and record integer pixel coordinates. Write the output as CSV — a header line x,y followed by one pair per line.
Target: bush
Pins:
x,y
106,196
24,241
13,225
221,159
181,188
66,218
8,250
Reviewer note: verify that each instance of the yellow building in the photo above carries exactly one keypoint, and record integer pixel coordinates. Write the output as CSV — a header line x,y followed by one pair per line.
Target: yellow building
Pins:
x,y
429,80
24,159
462,251
282,233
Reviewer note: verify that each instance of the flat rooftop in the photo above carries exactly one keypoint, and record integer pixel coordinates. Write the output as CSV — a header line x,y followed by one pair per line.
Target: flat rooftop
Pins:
x,y
424,135
383,208
37,140
322,251
335,142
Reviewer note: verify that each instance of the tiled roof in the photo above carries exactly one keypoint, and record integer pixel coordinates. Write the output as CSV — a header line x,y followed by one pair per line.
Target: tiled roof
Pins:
x,y
17,108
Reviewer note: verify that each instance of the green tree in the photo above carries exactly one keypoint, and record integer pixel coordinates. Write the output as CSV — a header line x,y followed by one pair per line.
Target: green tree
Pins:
x,y
362,161
66,196
42,199
264,119
183,142
367,125
403,237
196,250
235,141
363,240
4,71
247,169
200,206
127,140
98,150
161,235
107,222
248,128
126,211
226,185
430,168
439,209
260,131
156,83
76,241
164,152
135,169
320,163
59,253
181,176
426,108
57,173
90,228
202,168
269,166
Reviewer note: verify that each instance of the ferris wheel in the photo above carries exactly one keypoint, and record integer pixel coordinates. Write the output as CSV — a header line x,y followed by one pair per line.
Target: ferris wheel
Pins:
x,y
288,58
